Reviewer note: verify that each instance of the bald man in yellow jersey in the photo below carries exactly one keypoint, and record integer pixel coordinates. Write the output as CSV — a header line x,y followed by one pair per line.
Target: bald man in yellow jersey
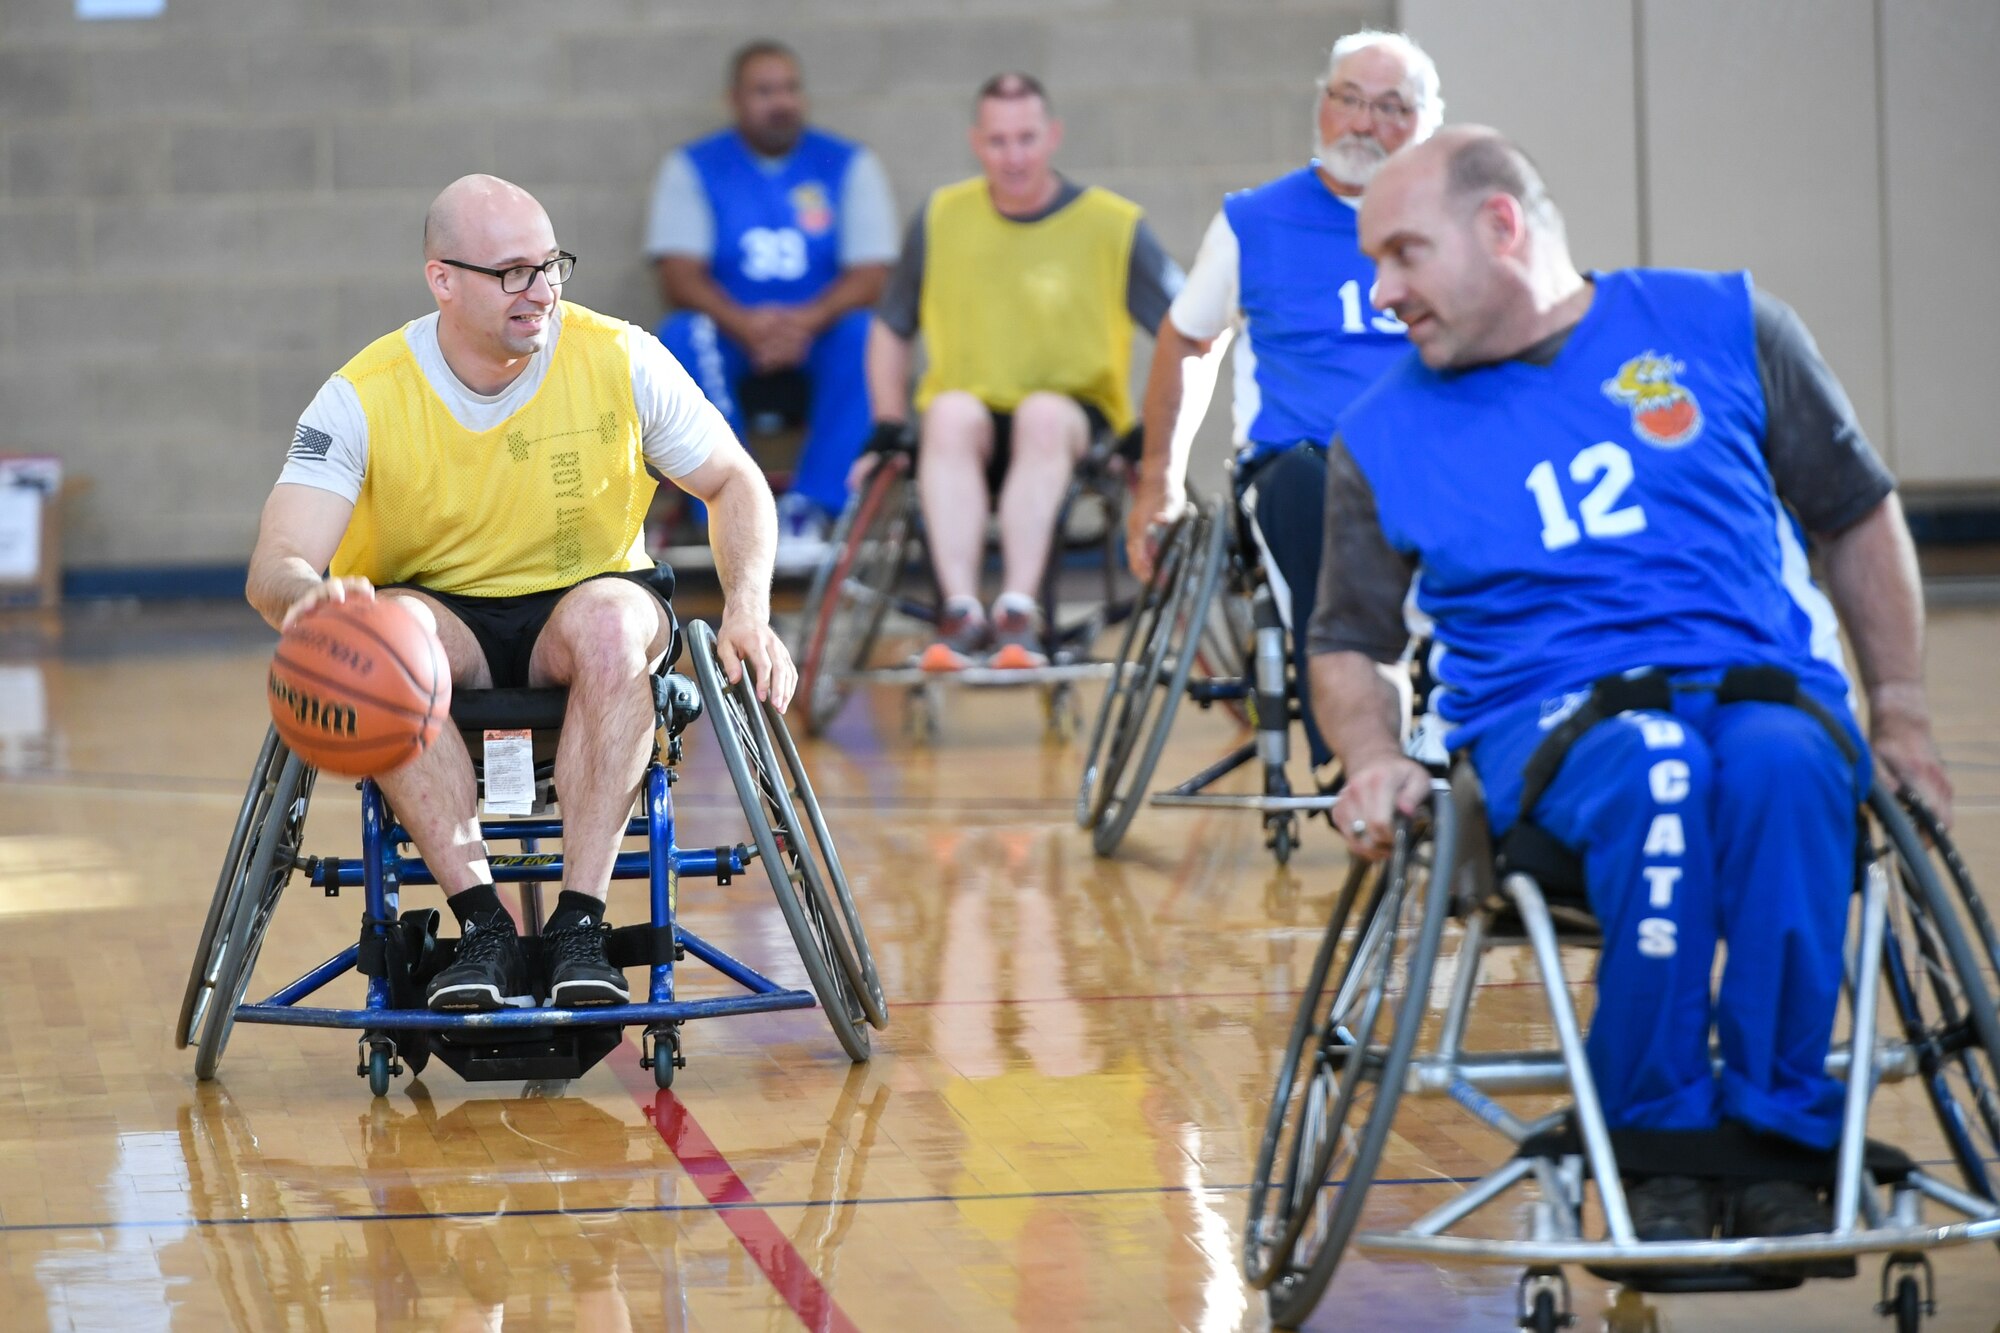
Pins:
x,y
487,466
1027,289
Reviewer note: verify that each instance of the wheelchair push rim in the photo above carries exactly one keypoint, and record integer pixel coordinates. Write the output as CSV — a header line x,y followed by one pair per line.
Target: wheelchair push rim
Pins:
x,y
266,870
851,594
201,976
1416,882
824,950
1149,697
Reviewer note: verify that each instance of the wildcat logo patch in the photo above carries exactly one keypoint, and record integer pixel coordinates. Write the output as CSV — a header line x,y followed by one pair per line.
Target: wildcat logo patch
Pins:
x,y
1663,411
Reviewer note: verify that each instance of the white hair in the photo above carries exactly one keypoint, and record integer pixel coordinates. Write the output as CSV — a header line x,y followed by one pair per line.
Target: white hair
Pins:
x,y
1422,73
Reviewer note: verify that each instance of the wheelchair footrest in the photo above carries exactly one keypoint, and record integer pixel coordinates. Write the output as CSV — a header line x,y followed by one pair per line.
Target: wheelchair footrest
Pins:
x,y
487,1056
1728,1152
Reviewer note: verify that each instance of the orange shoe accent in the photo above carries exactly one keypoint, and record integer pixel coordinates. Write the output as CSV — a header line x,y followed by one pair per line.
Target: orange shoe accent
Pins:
x,y
1014,657
942,657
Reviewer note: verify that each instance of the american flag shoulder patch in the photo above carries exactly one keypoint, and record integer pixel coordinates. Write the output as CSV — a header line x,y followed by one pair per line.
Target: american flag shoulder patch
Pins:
x,y
310,443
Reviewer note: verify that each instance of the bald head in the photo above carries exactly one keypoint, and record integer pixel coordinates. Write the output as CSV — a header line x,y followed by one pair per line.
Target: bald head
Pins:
x,y
1470,163
1468,248
470,211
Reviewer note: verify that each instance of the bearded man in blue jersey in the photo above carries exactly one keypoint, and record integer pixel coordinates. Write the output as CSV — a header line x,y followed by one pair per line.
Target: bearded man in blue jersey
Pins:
x,y
1592,475
772,241
1281,266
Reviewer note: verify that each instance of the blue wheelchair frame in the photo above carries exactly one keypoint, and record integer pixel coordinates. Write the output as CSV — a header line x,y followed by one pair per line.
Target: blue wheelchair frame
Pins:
x,y
769,782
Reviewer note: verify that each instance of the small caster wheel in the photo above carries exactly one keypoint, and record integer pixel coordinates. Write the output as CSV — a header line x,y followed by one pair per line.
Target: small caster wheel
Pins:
x,y
665,1055
1908,1291
1284,837
1543,1300
378,1064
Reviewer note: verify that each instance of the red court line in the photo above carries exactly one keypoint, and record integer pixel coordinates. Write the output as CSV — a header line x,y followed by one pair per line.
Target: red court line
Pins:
x,y
718,1182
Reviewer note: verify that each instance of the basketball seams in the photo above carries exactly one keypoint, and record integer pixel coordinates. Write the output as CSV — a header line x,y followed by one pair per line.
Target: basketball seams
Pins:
x,y
344,692
347,617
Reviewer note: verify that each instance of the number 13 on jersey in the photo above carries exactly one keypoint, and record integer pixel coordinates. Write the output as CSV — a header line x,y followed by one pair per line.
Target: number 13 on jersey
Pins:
x,y
1610,467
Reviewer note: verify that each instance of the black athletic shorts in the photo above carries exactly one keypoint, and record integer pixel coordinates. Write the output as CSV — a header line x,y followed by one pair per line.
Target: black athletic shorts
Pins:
x,y
1003,441
507,627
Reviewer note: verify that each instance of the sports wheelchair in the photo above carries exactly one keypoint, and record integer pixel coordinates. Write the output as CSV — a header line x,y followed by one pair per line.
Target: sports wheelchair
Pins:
x,y
880,568
1207,606
1922,939
399,953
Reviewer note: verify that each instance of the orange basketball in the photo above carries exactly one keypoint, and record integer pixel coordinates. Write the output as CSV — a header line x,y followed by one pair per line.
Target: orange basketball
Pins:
x,y
359,688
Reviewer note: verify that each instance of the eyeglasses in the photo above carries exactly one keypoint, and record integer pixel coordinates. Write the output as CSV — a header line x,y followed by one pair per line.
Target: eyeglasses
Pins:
x,y
518,279
1388,108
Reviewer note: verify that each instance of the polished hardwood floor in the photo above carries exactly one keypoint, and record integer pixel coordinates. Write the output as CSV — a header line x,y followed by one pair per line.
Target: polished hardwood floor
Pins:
x,y
1054,1132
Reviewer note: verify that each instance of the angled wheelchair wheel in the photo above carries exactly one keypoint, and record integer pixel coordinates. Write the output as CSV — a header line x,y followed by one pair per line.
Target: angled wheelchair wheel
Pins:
x,y
1940,967
1136,649
207,951
1343,1075
852,593
264,871
801,872
1145,692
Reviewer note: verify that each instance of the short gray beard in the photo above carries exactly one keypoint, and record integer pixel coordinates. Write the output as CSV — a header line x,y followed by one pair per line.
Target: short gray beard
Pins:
x,y
1353,159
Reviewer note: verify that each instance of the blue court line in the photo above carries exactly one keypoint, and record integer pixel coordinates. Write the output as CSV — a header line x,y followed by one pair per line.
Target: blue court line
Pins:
x,y
669,1208
643,1210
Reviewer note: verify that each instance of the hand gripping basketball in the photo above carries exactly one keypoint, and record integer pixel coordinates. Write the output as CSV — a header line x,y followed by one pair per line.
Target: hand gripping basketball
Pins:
x,y
358,688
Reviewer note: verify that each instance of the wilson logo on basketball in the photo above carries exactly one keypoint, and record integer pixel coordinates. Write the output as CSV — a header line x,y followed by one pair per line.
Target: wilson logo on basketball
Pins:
x,y
309,711
1663,411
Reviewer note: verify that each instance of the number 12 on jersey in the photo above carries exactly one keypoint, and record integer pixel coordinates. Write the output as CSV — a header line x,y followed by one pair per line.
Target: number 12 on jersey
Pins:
x,y
1610,466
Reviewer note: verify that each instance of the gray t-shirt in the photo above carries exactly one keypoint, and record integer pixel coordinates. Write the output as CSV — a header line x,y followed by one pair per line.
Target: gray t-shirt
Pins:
x,y
1152,279
682,222
1822,465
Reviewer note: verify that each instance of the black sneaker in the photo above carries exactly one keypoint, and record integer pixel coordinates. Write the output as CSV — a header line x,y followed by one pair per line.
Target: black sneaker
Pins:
x,y
1787,1208
488,973
1671,1208
1663,1208
580,976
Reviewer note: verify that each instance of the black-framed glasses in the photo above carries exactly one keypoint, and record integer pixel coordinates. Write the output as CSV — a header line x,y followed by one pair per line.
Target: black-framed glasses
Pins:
x,y
519,278
1388,108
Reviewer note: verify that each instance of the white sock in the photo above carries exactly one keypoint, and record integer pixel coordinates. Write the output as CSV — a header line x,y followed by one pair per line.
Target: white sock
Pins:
x,y
1015,601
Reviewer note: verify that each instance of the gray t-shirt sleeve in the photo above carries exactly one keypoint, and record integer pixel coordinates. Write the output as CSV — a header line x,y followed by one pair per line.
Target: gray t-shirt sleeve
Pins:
x,y
1820,461
330,446
1152,280
898,307
1363,581
680,221
867,213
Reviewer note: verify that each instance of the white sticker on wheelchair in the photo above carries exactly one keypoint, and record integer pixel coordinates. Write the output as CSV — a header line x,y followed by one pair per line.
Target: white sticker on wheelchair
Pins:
x,y
510,772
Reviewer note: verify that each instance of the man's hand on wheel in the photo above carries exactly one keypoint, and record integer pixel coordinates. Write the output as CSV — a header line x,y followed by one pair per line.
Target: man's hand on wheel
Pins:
x,y
746,641
1905,750
1376,792
1152,513
888,437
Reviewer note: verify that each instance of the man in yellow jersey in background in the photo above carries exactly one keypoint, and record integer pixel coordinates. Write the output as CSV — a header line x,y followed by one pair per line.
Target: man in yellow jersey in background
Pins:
x,y
1027,288
486,465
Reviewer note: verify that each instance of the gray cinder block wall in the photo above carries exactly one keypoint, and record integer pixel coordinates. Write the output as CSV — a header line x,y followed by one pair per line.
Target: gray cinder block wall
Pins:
x,y
203,214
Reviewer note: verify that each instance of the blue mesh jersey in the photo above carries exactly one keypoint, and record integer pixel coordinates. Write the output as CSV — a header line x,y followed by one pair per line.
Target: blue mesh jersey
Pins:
x,y
777,235
1607,511
1303,288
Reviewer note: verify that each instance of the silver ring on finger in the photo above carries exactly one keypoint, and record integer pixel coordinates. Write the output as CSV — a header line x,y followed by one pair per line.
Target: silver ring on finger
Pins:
x,y
1358,828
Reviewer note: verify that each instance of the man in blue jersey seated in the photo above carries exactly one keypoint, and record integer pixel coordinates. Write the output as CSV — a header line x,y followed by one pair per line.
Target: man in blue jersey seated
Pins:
x,y
1589,475
1282,266
772,241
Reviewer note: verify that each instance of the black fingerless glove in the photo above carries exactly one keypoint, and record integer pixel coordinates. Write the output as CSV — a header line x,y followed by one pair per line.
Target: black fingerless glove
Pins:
x,y
892,437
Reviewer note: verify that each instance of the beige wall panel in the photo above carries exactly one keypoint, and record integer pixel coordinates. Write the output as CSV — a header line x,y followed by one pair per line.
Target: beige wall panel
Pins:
x,y
1941,112
1760,125
1556,75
